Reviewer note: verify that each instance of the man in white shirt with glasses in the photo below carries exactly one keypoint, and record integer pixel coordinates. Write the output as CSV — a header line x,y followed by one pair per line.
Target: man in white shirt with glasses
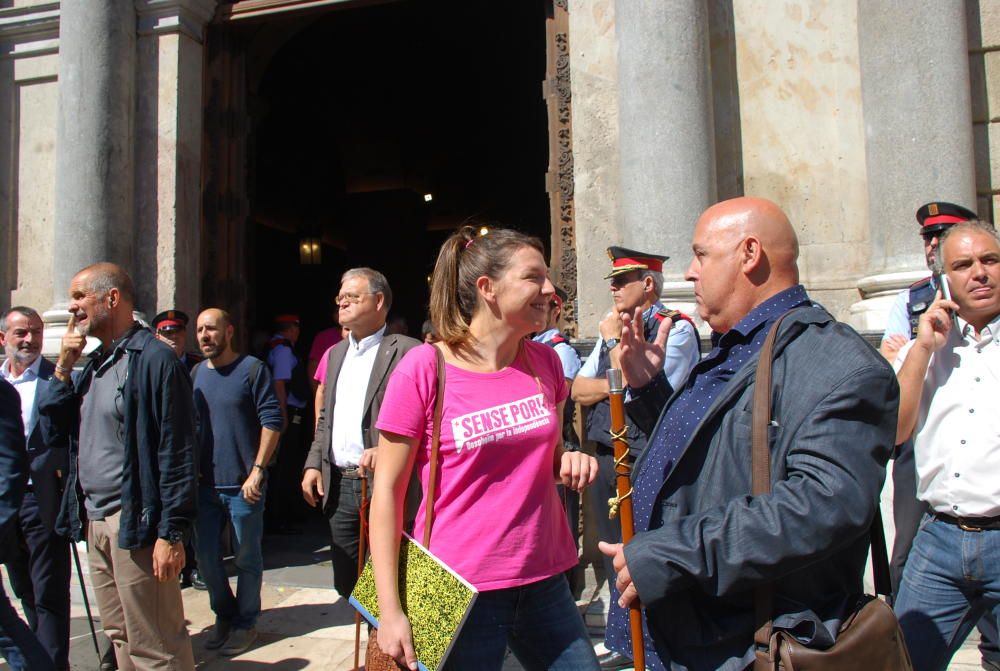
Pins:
x,y
343,451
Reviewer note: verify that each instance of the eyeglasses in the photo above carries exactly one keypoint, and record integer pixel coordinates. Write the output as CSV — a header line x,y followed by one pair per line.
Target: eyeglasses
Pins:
x,y
351,297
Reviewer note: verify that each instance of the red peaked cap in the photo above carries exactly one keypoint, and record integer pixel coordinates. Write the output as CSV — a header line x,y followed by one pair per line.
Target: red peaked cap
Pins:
x,y
626,260
170,318
936,216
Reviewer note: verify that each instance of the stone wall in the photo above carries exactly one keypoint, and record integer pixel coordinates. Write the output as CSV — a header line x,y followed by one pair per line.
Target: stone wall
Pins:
x,y
983,18
803,135
28,101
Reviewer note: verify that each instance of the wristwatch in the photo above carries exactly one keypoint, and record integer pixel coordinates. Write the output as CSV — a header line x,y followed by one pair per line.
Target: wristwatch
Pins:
x,y
610,344
174,536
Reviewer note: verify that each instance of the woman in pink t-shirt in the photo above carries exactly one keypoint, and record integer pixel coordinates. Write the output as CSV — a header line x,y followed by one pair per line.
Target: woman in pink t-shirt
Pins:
x,y
498,521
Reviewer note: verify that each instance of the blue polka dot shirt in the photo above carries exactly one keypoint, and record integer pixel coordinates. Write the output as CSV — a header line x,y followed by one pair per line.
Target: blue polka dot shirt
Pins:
x,y
730,351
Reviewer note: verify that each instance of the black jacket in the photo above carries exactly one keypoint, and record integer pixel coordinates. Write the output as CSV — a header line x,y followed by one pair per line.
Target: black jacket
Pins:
x,y
159,477
45,461
13,465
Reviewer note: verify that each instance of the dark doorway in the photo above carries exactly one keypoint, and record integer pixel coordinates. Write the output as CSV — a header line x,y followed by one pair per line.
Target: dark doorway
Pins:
x,y
356,116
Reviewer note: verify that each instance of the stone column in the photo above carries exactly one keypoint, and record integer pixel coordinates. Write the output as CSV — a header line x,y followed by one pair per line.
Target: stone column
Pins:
x,y
168,150
666,130
94,177
919,143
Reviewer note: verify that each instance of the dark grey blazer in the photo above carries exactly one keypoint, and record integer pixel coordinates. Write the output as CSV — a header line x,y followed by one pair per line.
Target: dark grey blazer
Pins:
x,y
45,461
390,351
835,402
13,466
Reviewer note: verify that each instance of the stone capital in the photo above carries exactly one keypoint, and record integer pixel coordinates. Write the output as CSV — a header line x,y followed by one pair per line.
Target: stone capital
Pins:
x,y
188,17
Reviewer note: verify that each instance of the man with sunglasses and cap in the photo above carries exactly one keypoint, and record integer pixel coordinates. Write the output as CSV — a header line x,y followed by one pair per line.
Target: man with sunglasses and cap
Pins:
x,y
170,327
636,281
934,218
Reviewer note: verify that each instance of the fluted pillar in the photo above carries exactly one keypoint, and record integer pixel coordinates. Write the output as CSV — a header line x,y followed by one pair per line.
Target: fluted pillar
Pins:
x,y
918,125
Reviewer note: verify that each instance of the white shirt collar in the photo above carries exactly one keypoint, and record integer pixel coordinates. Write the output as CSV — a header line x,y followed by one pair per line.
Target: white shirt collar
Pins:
x,y
989,334
358,348
31,372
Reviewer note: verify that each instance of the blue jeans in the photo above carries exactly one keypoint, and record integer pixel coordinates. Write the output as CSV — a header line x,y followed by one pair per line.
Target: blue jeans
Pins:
x,y
18,644
539,622
951,579
215,506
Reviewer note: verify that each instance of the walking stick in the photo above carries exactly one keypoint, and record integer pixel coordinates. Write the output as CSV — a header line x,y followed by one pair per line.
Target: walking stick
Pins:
x,y
363,537
622,502
86,601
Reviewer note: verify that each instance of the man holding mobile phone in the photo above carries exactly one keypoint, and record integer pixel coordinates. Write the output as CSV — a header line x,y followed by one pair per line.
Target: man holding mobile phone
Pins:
x,y
948,378
934,218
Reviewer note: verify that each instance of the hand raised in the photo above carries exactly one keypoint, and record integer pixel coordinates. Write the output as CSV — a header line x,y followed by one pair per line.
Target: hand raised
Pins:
x,y
71,347
935,325
641,361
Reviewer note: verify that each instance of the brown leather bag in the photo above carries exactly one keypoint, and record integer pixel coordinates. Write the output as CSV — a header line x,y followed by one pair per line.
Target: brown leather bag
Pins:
x,y
375,659
869,638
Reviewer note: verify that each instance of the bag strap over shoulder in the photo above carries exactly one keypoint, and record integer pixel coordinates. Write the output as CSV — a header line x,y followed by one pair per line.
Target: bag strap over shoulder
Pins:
x,y
760,464
435,447
760,470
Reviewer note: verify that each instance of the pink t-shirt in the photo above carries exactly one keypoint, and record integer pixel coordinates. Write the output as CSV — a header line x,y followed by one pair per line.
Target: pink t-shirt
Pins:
x,y
498,521
320,374
323,341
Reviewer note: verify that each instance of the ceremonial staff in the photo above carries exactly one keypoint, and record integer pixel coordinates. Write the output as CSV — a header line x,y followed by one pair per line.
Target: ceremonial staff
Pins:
x,y
622,503
362,548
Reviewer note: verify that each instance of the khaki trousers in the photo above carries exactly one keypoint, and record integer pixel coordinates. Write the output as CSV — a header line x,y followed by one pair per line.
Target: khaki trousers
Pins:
x,y
143,617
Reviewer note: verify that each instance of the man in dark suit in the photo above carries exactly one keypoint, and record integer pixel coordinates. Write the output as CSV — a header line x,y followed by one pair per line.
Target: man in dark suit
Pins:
x,y
42,579
18,644
703,543
343,451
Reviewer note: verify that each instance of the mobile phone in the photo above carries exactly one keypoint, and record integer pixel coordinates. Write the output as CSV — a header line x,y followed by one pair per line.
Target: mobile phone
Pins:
x,y
942,281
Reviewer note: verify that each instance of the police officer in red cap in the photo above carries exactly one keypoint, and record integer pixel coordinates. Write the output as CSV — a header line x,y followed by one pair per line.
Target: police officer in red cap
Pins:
x,y
170,326
636,282
934,219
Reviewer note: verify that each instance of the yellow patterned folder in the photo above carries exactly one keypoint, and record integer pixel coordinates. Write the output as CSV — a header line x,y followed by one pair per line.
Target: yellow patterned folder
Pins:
x,y
435,599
